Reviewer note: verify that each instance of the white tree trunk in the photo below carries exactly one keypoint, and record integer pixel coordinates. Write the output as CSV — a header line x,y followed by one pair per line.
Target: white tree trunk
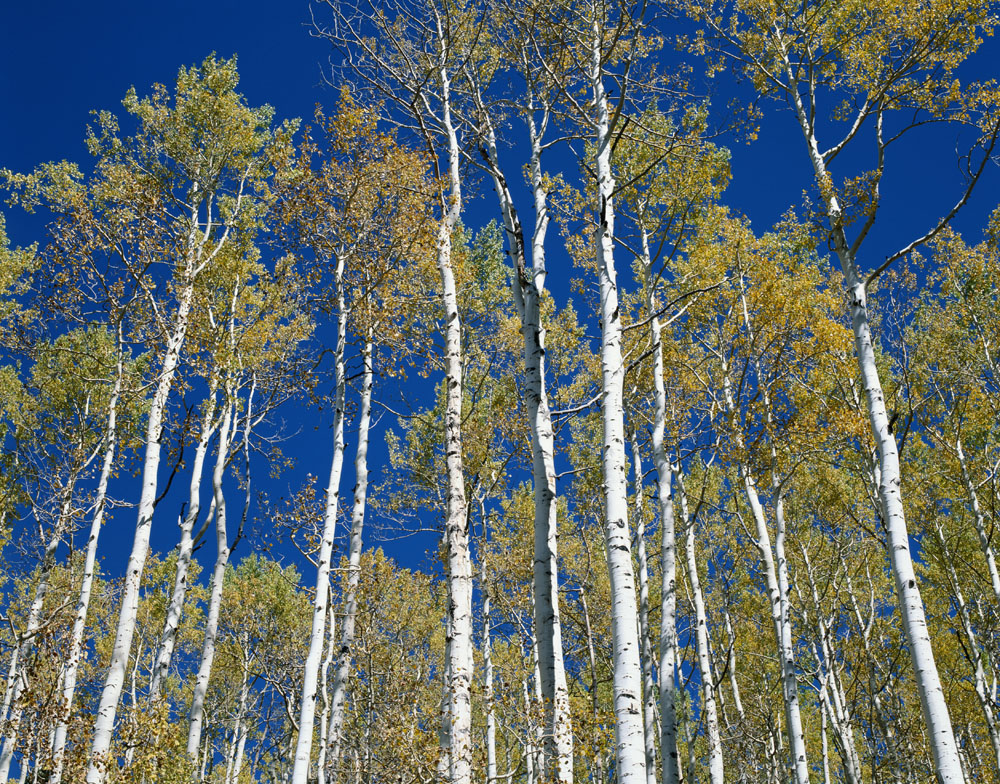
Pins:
x,y
941,736
17,677
72,669
322,762
777,575
973,651
197,715
310,680
444,733
667,668
711,714
107,709
456,515
980,521
528,288
165,652
491,718
235,762
345,652
831,692
646,649
629,730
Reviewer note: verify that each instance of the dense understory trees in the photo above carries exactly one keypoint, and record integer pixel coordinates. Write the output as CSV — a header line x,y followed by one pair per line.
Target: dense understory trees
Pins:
x,y
633,460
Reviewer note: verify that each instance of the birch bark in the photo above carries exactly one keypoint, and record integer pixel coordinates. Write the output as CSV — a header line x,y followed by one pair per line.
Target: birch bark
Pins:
x,y
528,289
646,650
456,515
17,678
197,715
310,681
164,654
629,730
716,768
345,651
114,682
75,657
667,665
941,736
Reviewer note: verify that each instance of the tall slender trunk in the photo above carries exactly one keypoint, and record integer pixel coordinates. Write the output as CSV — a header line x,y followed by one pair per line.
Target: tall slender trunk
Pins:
x,y
491,717
528,289
234,764
114,682
456,514
777,574
204,675
715,760
595,710
941,736
973,651
831,692
310,679
646,649
185,550
75,657
667,667
345,651
529,734
322,761
629,730
444,732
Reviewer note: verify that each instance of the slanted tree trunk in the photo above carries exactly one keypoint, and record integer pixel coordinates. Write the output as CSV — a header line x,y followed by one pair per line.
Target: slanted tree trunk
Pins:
x,y
107,708
646,649
667,666
17,678
165,652
491,717
75,657
831,692
940,734
234,764
197,716
711,714
980,520
777,574
973,651
528,289
322,762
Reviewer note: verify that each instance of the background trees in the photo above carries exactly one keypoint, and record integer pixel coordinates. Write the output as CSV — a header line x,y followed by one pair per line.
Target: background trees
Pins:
x,y
622,492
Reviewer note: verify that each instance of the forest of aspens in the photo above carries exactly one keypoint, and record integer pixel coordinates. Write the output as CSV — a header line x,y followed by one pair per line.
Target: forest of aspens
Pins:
x,y
466,431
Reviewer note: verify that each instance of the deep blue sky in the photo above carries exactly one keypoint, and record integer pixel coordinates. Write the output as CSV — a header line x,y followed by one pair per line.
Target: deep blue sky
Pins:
x,y
60,60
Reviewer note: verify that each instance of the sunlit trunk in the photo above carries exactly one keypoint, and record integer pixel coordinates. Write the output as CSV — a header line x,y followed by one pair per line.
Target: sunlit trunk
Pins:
x,y
345,650
310,680
940,734
75,657
630,744
107,708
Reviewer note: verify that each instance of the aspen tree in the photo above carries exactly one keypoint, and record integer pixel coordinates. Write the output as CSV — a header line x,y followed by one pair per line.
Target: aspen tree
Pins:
x,y
532,54
76,651
414,63
597,34
795,54
218,180
59,435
